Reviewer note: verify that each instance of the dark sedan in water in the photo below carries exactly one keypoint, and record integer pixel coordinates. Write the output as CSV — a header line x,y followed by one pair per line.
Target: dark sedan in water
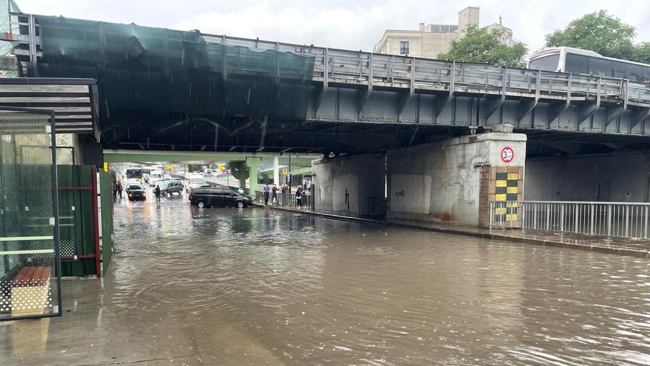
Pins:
x,y
218,197
136,192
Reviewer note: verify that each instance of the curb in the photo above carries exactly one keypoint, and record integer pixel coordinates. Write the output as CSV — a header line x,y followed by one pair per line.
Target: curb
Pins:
x,y
489,236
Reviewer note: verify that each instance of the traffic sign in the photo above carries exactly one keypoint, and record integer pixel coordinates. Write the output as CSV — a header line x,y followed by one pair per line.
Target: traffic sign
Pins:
x,y
507,154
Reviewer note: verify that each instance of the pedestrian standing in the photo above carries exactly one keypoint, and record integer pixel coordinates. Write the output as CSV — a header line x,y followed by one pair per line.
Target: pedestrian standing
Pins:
x,y
157,193
274,195
114,190
299,197
119,188
266,194
347,199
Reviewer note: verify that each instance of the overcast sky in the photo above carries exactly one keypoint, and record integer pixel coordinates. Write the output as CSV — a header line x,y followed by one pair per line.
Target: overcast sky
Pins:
x,y
348,24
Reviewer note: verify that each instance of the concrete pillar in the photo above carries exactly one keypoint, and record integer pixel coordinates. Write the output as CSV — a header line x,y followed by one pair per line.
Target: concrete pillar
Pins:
x,y
253,164
276,170
350,185
88,151
454,181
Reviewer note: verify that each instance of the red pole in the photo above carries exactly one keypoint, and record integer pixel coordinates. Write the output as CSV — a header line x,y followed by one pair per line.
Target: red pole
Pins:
x,y
96,222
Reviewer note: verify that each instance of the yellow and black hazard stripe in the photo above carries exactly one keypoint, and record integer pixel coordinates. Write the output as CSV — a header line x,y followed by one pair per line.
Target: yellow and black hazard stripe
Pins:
x,y
506,197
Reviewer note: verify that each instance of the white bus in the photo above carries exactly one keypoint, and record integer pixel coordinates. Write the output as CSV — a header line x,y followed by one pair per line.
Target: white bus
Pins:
x,y
577,61
134,172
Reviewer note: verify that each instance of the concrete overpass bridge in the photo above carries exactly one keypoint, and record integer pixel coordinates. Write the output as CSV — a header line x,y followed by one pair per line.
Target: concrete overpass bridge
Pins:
x,y
162,89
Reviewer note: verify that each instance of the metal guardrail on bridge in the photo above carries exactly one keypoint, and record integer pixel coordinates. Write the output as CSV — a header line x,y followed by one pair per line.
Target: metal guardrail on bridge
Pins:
x,y
411,73
609,219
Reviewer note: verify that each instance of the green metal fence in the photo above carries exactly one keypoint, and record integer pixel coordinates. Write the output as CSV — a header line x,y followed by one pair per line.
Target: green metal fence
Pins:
x,y
82,228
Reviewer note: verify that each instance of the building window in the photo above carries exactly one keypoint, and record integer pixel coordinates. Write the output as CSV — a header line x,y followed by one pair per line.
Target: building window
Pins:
x,y
404,47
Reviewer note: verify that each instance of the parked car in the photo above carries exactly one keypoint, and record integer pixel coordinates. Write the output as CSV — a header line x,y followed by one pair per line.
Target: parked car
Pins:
x,y
218,197
171,186
135,191
193,182
132,181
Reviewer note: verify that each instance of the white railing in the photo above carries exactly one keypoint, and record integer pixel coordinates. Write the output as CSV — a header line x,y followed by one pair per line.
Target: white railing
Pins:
x,y
609,219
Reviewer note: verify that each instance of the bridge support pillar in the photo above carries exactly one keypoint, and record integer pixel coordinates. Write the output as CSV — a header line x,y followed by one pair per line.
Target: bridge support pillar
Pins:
x,y
276,170
454,181
88,151
253,164
350,185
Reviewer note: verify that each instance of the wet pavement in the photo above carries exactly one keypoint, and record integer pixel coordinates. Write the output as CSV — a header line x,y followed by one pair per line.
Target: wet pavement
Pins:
x,y
265,287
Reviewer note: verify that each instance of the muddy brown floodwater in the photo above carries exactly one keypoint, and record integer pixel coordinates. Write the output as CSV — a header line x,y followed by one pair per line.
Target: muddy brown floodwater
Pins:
x,y
263,287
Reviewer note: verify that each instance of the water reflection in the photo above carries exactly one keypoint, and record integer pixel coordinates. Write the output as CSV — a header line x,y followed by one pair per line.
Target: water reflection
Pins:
x,y
255,286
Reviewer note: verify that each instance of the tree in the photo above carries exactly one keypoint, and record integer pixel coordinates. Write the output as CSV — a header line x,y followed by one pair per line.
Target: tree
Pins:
x,y
482,45
598,32
642,53
240,171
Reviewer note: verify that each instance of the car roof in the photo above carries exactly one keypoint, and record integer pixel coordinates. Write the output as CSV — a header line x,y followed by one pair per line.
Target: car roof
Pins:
x,y
211,189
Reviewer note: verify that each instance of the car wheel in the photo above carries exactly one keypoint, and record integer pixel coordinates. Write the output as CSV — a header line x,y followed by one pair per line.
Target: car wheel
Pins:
x,y
201,205
240,204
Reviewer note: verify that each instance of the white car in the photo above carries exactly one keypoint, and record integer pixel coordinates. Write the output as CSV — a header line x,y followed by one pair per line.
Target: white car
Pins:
x,y
194,181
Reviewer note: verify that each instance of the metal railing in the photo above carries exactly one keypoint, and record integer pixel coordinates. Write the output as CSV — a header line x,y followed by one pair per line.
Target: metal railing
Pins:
x,y
412,73
287,200
343,67
609,219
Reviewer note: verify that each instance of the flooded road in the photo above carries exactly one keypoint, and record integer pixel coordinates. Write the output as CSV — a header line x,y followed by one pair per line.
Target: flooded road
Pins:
x,y
263,287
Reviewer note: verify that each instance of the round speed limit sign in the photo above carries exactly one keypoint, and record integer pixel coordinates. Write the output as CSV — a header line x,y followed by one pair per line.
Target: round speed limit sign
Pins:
x,y
507,154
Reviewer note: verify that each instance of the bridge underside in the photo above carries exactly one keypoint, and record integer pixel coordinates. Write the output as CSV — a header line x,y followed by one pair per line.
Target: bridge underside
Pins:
x,y
168,90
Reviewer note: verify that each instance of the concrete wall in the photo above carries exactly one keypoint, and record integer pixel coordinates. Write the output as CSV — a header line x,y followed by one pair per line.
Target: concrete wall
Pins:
x,y
467,16
361,175
421,44
578,178
441,181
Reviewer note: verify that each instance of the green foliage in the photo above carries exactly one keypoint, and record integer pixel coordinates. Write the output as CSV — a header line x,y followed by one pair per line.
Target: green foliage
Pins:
x,y
601,33
642,53
239,170
482,45
194,167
